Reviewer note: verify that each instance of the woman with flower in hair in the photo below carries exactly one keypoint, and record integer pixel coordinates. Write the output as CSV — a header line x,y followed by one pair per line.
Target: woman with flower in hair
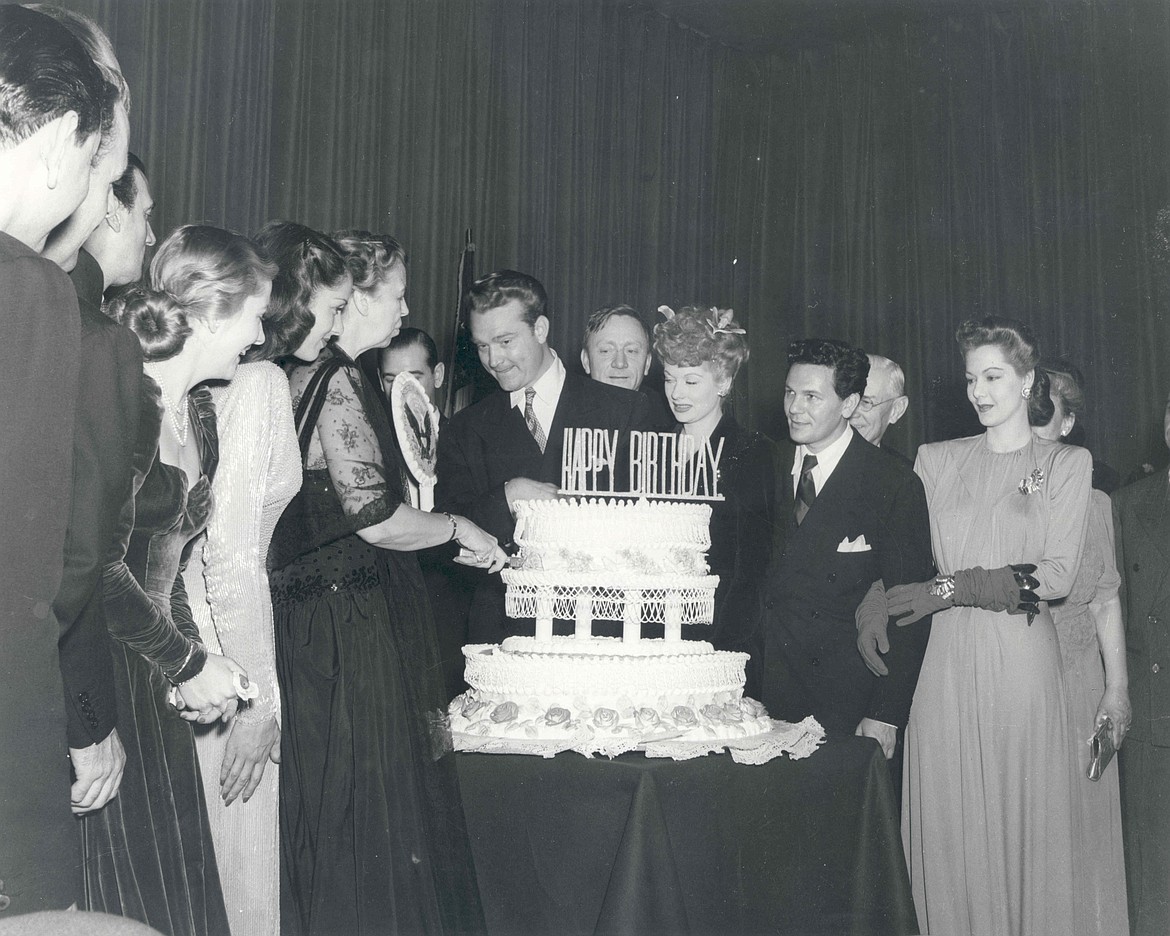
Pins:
x,y
987,814
1096,685
149,853
373,839
701,351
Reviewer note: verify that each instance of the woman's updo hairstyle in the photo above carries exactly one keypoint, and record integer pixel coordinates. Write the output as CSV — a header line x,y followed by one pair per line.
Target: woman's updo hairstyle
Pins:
x,y
692,336
199,272
370,257
155,317
307,260
1018,344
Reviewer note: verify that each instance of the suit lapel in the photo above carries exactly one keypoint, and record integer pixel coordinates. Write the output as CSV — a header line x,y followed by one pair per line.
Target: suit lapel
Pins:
x,y
837,488
503,429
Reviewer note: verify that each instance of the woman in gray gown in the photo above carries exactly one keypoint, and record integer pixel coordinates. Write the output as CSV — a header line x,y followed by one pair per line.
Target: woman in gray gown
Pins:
x,y
987,814
1096,687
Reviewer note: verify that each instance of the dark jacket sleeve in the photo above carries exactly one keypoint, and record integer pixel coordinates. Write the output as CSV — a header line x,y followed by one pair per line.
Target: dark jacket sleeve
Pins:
x,y
107,401
464,486
905,557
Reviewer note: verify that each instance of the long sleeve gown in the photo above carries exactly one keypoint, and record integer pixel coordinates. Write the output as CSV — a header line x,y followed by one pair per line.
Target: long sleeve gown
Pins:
x,y
987,798
227,585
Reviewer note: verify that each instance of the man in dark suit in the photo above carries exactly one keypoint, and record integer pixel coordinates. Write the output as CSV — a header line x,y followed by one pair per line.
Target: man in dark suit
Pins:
x,y
848,514
507,447
109,382
54,111
1141,521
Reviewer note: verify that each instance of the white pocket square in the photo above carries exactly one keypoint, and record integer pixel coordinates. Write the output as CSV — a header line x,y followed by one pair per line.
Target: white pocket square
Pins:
x,y
857,545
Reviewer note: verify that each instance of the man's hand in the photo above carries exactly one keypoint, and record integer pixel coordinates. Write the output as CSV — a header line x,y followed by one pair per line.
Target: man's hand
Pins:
x,y
885,735
872,625
99,773
519,489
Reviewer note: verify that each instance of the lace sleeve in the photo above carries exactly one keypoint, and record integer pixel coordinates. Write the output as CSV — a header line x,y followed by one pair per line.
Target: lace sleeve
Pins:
x,y
350,450
258,460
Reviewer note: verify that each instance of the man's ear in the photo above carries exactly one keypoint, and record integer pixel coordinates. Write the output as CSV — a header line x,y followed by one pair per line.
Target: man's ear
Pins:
x,y
60,134
646,369
440,373
585,361
898,410
849,404
115,211
540,329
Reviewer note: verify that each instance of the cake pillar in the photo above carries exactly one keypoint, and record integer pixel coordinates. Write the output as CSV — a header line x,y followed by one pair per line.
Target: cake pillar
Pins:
x,y
632,616
584,614
672,631
544,618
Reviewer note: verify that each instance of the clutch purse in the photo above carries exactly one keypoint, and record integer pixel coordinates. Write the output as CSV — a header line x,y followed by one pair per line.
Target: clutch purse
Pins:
x,y
1101,750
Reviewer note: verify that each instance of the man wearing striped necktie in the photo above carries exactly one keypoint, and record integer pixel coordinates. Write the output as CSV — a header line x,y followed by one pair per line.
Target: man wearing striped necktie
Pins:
x,y
507,447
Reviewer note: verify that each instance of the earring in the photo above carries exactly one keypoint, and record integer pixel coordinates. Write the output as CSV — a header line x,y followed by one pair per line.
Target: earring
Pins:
x,y
1027,394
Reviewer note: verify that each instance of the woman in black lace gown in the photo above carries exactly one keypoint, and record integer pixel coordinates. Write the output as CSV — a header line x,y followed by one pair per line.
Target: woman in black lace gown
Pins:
x,y
148,854
701,352
372,831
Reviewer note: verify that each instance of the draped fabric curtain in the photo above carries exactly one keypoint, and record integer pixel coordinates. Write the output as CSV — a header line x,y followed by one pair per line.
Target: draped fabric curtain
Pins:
x,y
948,161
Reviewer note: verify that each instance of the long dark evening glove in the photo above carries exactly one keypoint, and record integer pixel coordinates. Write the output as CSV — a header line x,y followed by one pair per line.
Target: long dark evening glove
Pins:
x,y
1009,588
915,600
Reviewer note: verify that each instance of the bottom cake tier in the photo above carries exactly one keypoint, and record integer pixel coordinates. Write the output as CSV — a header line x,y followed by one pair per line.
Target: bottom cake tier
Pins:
x,y
602,695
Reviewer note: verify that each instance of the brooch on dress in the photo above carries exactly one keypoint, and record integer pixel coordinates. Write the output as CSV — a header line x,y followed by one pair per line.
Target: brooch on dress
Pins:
x,y
1032,483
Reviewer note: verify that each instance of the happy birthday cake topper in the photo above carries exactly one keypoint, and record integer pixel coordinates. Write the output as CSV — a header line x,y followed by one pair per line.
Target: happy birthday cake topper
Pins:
x,y
665,465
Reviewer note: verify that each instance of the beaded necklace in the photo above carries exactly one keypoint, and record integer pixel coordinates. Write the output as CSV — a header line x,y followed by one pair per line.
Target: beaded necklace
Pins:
x,y
179,425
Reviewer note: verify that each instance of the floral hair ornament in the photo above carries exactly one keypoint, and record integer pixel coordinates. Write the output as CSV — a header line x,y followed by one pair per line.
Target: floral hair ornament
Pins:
x,y
720,322
666,312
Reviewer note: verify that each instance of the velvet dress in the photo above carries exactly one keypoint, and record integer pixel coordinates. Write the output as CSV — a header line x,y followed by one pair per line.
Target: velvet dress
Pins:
x,y
987,794
149,853
373,839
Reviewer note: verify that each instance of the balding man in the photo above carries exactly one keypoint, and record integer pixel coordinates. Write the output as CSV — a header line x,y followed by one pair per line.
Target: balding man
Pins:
x,y
884,401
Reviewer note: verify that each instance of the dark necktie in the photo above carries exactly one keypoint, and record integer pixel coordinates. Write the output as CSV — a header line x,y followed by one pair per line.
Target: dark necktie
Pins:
x,y
532,421
806,491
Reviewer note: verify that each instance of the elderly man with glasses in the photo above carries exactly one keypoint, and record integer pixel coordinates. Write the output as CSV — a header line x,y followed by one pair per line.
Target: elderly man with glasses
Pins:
x,y
884,401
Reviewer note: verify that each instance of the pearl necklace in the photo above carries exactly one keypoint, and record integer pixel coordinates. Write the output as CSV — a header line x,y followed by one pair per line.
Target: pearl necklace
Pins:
x,y
179,425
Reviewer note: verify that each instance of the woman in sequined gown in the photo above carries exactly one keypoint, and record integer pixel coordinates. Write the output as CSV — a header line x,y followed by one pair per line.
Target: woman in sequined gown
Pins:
x,y
1092,651
149,853
372,833
987,798
227,586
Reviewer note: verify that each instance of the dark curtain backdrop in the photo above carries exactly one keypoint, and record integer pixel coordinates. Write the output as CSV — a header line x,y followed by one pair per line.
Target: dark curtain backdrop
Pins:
x,y
947,161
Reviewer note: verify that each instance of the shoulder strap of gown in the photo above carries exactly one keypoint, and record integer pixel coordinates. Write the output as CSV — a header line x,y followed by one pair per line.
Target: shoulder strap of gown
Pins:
x,y
311,402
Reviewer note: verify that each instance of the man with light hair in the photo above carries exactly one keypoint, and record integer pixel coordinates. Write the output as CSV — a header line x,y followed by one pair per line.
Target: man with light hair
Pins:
x,y
884,401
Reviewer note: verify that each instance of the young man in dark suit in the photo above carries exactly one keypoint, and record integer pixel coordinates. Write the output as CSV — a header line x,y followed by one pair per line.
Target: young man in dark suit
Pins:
x,y
1141,521
507,447
55,110
848,514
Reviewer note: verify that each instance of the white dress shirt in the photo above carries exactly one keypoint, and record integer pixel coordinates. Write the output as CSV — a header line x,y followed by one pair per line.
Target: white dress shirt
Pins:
x,y
548,387
827,460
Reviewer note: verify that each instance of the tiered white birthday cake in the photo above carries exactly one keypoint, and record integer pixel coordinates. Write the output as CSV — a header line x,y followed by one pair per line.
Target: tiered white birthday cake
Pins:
x,y
634,561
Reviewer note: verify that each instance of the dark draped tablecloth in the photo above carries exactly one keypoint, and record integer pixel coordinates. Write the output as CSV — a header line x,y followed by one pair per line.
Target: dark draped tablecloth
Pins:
x,y
634,845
